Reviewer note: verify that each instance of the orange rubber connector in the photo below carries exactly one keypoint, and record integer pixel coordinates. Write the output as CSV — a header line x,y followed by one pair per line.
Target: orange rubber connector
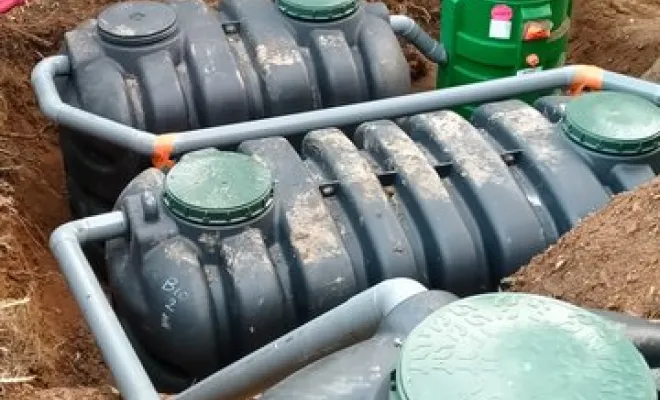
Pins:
x,y
586,77
163,146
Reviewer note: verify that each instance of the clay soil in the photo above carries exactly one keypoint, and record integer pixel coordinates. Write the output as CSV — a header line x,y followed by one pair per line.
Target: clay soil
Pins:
x,y
46,351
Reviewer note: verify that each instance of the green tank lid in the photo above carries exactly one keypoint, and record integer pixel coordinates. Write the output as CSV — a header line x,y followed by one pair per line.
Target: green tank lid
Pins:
x,y
517,346
613,123
215,187
318,10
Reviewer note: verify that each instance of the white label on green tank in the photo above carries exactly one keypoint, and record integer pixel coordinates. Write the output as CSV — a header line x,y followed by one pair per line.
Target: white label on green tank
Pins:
x,y
500,22
529,71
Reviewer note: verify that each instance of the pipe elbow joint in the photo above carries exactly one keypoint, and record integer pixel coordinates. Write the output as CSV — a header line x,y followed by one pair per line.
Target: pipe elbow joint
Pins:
x,y
407,28
392,292
583,77
43,84
62,234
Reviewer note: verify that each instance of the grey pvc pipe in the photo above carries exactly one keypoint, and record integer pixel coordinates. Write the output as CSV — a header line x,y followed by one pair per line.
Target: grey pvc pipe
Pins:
x,y
43,82
182,142
407,28
353,321
349,323
65,243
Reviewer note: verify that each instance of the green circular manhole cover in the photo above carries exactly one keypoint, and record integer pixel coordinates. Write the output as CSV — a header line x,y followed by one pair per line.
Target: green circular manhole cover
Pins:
x,y
613,123
218,188
318,10
511,346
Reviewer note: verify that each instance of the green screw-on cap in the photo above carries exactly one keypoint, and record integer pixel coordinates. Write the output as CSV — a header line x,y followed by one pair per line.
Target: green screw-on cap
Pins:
x,y
613,123
517,346
318,10
214,187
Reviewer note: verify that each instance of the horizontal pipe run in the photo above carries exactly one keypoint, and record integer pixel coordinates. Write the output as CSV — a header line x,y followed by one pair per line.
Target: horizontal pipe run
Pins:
x,y
407,28
368,111
623,83
163,146
353,321
65,243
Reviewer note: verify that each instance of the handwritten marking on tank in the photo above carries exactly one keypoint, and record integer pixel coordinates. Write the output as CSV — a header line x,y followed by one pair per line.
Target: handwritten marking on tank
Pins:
x,y
475,160
317,243
176,294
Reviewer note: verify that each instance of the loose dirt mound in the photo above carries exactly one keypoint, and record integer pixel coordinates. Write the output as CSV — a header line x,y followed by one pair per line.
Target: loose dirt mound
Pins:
x,y
621,35
42,337
42,341
610,260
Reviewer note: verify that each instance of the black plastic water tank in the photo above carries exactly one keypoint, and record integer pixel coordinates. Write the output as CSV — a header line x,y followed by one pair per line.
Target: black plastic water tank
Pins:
x,y
170,66
232,249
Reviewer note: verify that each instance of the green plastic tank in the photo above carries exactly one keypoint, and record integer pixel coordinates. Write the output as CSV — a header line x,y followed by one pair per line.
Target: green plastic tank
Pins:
x,y
487,39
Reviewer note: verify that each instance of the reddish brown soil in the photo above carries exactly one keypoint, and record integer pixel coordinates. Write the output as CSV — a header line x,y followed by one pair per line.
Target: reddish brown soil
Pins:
x,y
610,260
45,339
53,345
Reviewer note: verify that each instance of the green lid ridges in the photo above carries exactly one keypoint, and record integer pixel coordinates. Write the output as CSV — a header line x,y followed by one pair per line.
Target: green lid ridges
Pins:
x,y
215,187
318,10
518,346
613,123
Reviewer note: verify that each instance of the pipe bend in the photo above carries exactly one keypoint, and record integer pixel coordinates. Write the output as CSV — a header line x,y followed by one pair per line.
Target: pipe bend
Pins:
x,y
65,243
98,227
407,28
65,233
586,77
390,293
43,83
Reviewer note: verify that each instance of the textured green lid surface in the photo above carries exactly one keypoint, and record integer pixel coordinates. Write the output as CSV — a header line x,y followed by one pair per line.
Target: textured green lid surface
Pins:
x,y
613,123
215,187
318,10
514,346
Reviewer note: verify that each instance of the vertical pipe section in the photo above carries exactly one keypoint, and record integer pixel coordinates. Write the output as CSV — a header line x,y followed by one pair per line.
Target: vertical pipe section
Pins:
x,y
353,321
65,243
408,29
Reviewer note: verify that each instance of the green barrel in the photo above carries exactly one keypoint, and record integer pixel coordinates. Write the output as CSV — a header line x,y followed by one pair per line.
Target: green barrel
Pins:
x,y
487,39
